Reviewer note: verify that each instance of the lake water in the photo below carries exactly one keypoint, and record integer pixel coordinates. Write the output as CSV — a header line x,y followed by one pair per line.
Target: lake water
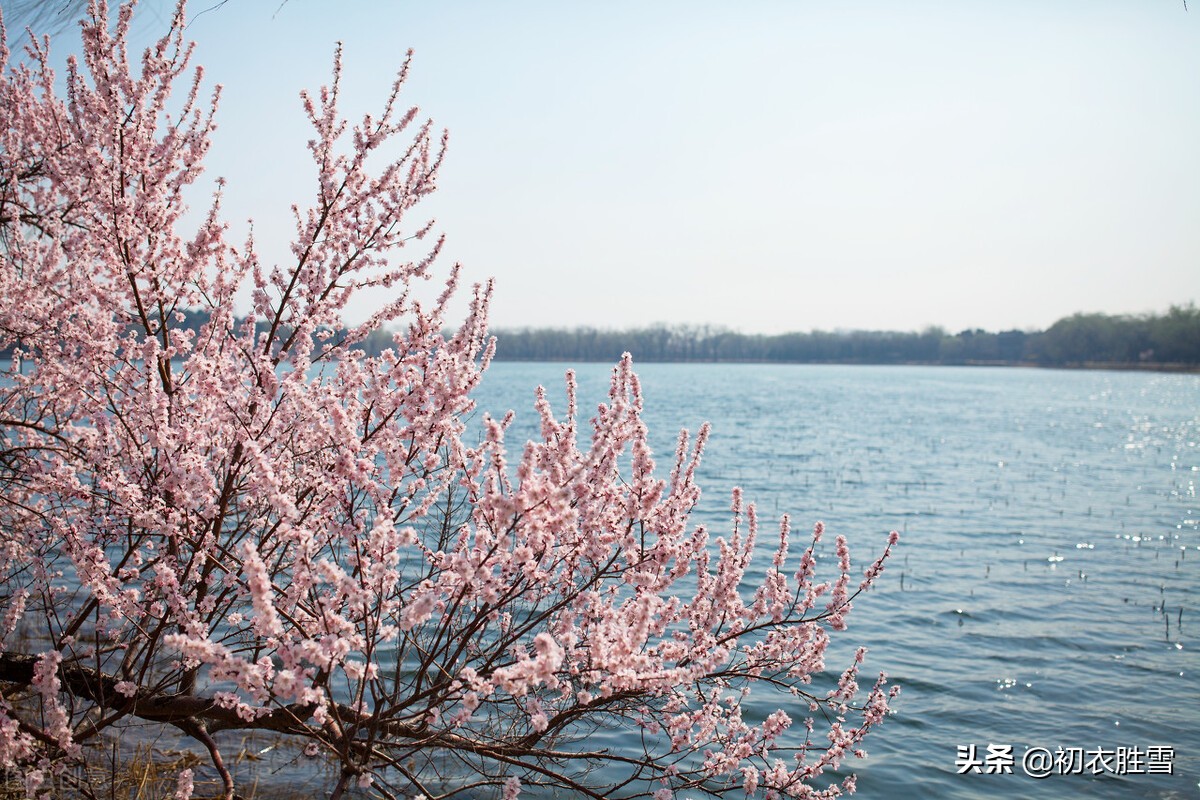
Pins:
x,y
1045,590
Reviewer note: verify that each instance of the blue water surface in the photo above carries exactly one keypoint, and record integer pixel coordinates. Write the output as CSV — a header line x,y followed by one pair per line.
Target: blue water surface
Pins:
x,y
1044,594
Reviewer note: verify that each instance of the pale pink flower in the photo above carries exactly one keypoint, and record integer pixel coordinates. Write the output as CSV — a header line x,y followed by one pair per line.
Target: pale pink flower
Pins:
x,y
184,785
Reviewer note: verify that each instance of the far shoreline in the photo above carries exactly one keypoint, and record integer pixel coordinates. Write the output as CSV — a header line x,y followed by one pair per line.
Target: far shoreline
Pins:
x,y
1102,366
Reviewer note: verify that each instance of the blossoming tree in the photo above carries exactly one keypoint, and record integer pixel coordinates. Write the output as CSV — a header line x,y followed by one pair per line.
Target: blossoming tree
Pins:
x,y
250,525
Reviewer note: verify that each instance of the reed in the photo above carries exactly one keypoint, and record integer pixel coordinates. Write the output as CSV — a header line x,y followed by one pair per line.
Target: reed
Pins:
x,y
150,772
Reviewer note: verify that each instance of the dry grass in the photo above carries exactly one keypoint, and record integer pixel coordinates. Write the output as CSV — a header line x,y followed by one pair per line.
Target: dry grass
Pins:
x,y
147,772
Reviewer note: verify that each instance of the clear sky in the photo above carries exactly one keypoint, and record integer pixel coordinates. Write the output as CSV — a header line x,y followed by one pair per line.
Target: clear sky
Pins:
x,y
765,166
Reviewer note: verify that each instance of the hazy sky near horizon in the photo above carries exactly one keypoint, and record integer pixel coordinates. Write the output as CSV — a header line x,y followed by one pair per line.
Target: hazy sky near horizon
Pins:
x,y
765,166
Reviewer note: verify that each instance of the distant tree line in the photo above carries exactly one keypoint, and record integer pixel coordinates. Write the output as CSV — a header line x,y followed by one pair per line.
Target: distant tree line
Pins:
x,y
1161,341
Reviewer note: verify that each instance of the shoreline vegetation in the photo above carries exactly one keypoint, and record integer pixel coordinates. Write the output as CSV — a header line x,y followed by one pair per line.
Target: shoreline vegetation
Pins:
x,y
1164,342
1168,342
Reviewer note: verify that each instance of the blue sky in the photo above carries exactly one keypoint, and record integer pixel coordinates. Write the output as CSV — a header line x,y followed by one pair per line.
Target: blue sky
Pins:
x,y
764,166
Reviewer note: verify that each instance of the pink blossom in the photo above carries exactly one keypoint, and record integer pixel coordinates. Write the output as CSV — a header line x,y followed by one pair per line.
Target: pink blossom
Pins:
x,y
258,580
48,686
184,785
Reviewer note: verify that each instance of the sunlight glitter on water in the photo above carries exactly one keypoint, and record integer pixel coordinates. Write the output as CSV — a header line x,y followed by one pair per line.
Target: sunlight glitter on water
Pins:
x,y
1090,462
